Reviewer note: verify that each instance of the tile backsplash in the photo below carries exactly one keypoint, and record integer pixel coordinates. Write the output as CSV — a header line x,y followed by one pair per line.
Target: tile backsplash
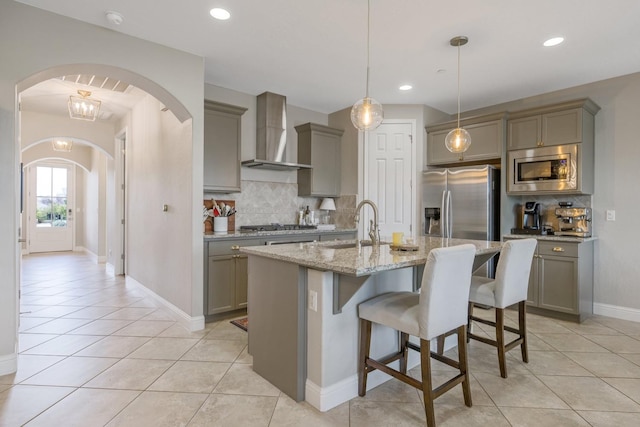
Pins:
x,y
263,202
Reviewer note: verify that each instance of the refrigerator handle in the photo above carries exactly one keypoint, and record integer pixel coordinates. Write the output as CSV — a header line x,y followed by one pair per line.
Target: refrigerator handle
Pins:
x,y
443,215
449,215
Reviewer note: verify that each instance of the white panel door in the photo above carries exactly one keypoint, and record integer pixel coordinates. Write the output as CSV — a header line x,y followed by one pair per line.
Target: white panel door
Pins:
x,y
50,212
388,174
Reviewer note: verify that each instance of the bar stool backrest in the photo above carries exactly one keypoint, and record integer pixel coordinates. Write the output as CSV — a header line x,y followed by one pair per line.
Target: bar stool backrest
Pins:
x,y
512,274
444,294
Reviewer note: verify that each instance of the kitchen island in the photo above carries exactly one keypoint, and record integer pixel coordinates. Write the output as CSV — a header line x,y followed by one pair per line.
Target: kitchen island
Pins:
x,y
302,308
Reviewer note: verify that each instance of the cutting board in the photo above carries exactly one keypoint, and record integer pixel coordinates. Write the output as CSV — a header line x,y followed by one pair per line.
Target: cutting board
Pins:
x,y
208,224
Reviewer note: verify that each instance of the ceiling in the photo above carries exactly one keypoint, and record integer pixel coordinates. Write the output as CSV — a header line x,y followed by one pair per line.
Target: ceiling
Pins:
x,y
314,52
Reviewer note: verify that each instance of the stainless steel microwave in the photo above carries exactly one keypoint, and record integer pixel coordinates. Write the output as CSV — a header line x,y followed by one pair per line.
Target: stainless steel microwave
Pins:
x,y
552,169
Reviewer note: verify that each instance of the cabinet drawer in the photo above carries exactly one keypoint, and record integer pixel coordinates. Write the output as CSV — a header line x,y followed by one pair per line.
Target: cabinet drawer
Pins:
x,y
558,249
228,247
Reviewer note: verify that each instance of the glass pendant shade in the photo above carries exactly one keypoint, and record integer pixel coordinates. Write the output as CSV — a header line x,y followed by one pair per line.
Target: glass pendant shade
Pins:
x,y
367,114
82,107
458,140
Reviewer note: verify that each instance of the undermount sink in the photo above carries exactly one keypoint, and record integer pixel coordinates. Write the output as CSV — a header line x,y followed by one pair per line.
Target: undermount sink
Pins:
x,y
346,245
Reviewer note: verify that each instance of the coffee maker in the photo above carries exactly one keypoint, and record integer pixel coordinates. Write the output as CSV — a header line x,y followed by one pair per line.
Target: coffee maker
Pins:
x,y
573,221
530,219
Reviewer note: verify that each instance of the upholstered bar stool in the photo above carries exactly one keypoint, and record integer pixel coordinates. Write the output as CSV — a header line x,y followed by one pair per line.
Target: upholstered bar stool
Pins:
x,y
439,307
508,288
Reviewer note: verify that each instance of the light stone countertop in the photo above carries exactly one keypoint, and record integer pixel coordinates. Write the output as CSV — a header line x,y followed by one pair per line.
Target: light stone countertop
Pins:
x,y
327,256
551,238
242,235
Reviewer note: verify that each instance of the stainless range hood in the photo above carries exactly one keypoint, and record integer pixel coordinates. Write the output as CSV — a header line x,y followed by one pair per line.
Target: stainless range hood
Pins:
x,y
271,135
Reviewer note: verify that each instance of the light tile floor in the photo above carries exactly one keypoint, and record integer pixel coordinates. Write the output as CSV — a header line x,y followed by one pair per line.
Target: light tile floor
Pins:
x,y
95,352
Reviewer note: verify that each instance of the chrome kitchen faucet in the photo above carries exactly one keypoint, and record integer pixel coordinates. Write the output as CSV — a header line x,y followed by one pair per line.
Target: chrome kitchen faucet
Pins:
x,y
374,232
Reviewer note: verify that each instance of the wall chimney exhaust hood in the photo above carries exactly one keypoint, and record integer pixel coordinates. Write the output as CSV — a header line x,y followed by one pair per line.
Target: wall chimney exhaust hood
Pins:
x,y
271,135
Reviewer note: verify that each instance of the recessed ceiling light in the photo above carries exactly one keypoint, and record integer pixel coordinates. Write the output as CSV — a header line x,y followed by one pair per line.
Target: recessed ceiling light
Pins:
x,y
220,14
405,87
553,41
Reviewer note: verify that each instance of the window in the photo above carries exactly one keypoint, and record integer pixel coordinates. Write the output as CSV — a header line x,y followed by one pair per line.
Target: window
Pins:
x,y
51,196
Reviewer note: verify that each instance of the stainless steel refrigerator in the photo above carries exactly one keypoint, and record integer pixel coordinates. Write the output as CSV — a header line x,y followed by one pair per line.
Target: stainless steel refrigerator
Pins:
x,y
462,203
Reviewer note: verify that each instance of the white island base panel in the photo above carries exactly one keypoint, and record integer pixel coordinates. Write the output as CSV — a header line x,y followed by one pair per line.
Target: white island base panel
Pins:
x,y
333,339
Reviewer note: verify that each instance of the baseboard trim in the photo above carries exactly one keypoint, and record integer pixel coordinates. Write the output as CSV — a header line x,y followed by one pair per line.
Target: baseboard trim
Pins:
x,y
8,364
326,398
617,312
110,269
192,323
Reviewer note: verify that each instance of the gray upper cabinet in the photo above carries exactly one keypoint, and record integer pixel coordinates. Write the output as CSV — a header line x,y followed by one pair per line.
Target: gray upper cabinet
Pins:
x,y
319,146
487,139
567,123
222,141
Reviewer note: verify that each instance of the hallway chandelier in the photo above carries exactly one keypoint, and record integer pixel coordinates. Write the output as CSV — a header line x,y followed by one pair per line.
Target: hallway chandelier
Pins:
x,y
62,145
367,114
458,140
82,107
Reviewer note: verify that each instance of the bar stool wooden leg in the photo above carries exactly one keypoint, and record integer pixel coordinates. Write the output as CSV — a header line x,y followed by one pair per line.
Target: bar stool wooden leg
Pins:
x,y
469,315
500,342
365,343
427,386
464,367
404,338
522,326
440,344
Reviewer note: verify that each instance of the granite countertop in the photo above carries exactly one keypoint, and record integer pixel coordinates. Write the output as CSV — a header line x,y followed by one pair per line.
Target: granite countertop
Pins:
x,y
240,235
328,256
551,238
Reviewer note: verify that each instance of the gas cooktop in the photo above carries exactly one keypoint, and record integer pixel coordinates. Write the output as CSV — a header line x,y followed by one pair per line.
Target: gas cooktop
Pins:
x,y
275,227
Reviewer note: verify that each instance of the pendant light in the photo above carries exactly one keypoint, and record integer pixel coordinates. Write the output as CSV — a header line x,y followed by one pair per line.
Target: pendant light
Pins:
x,y
82,107
458,140
367,114
62,145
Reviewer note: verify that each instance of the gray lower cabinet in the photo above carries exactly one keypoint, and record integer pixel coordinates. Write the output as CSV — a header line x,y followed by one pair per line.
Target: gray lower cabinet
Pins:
x,y
320,147
226,275
487,139
222,142
561,280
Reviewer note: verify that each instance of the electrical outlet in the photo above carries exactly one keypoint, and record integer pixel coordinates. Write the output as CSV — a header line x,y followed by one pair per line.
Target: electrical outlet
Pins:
x,y
611,215
313,300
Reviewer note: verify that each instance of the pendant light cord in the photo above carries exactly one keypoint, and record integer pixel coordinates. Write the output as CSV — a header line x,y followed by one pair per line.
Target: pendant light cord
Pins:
x,y
368,42
458,84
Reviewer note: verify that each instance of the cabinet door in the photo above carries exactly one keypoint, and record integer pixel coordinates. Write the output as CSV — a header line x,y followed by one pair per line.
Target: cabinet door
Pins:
x,y
222,147
241,281
437,153
486,143
558,283
562,127
532,291
319,146
524,132
221,284
325,159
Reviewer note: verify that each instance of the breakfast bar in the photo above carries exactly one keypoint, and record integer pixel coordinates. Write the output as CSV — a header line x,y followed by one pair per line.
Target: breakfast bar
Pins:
x,y
302,309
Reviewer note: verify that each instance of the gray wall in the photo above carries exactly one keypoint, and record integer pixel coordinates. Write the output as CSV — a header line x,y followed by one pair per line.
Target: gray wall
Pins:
x,y
617,175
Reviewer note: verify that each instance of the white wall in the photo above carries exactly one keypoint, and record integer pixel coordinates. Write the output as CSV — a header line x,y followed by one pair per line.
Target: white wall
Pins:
x,y
158,253
39,53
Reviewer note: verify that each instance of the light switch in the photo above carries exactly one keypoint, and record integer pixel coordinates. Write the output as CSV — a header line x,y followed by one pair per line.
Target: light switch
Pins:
x,y
611,215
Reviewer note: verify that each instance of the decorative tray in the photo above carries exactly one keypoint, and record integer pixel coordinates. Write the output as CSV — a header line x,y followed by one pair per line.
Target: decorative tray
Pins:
x,y
405,247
